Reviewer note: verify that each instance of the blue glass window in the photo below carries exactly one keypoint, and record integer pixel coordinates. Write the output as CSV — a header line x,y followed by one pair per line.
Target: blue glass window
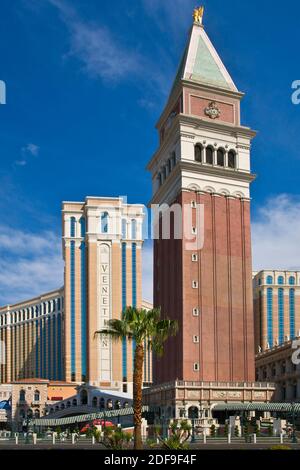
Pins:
x,y
73,333
291,281
54,349
281,315
104,222
59,351
83,315
73,227
281,280
270,316
134,299
82,226
270,280
124,305
292,313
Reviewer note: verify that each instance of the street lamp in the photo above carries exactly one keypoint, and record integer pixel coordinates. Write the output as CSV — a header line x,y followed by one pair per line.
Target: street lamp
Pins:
x,y
193,440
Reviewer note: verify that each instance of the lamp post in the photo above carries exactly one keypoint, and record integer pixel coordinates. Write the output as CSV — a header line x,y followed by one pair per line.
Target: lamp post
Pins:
x,y
193,440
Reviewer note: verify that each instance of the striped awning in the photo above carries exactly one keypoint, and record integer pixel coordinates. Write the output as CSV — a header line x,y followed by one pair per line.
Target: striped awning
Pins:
x,y
53,422
275,407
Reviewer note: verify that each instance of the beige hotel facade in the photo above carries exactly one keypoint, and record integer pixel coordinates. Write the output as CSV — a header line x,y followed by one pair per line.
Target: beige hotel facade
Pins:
x,y
53,336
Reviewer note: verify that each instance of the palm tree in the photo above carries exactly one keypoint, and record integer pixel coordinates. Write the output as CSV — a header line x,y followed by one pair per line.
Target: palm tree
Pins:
x,y
140,326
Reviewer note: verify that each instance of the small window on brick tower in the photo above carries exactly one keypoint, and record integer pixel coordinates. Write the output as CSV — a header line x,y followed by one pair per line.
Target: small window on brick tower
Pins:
x,y
193,204
195,284
196,339
221,157
194,257
231,159
209,155
196,366
196,312
194,230
198,153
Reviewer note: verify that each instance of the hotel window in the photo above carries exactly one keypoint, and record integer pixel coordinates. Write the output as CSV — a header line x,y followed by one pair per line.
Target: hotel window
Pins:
x,y
174,159
196,339
169,165
270,316
198,153
124,229
291,281
194,257
269,280
159,177
133,229
73,226
292,313
36,396
209,155
196,312
221,157
22,395
165,172
231,159
196,367
281,280
195,284
82,227
104,222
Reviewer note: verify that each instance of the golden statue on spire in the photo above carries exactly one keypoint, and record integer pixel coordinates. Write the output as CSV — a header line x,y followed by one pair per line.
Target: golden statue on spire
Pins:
x,y
198,15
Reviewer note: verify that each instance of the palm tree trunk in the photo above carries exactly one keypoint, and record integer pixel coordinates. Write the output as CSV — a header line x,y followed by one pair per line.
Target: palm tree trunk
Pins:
x,y
137,395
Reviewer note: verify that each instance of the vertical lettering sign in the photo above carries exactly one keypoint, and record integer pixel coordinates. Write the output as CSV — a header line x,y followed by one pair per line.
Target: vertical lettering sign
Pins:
x,y
105,312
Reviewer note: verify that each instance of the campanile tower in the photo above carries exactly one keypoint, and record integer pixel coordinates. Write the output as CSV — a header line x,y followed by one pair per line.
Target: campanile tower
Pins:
x,y
203,160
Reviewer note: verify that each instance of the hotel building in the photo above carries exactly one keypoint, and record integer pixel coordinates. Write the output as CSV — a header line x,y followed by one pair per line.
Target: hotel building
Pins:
x,y
53,336
276,308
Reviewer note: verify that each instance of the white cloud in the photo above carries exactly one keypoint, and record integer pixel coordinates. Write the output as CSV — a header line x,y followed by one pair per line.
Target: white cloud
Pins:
x,y
276,234
106,56
30,264
31,149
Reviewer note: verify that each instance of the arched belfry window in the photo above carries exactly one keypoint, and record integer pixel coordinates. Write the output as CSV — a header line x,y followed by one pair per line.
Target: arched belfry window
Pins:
x,y
209,155
231,159
221,157
104,222
198,153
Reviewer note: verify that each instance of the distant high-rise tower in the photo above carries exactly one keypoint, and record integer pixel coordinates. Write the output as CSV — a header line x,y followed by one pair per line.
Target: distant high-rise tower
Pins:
x,y
204,159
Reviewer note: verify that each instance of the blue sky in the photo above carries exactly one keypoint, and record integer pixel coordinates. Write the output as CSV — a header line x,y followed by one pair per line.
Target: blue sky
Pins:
x,y
86,81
